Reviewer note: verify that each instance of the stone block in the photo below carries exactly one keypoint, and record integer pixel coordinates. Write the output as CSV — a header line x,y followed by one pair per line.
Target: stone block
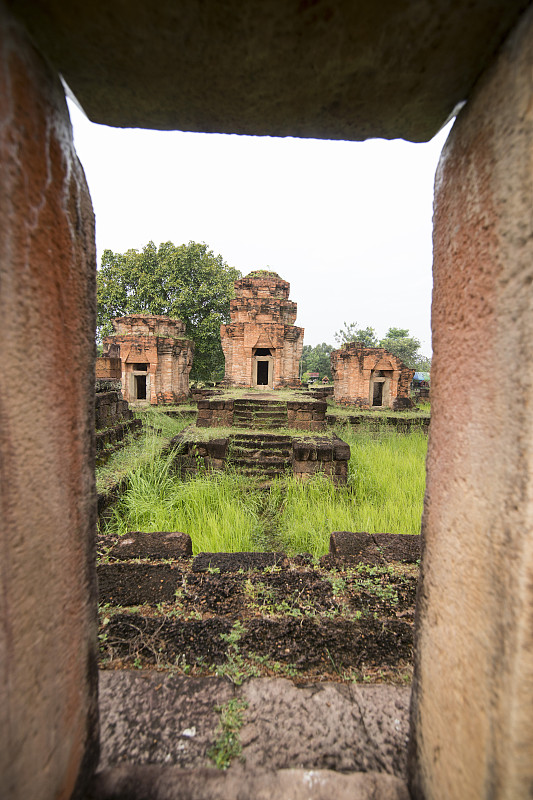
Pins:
x,y
342,451
217,448
131,584
355,545
399,547
160,545
233,562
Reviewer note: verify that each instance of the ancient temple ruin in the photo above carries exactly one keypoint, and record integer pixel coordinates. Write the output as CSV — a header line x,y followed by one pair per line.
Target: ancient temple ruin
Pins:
x,y
155,356
370,377
261,344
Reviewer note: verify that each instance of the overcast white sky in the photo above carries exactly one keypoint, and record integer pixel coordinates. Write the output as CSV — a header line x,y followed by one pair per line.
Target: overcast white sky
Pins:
x,y
347,223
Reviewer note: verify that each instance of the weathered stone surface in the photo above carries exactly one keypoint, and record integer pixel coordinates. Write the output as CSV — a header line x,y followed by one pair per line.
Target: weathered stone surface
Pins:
x,y
126,584
48,645
375,548
328,456
150,718
117,433
155,356
345,543
332,726
336,69
158,783
370,376
472,725
233,562
108,368
154,718
261,344
398,546
160,545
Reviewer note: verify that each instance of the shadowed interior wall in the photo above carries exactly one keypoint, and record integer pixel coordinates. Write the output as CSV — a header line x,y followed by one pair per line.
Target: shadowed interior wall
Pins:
x,y
472,726
48,691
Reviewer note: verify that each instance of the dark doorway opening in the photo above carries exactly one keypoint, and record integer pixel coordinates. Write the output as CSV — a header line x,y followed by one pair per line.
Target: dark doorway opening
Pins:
x,y
377,399
262,373
140,387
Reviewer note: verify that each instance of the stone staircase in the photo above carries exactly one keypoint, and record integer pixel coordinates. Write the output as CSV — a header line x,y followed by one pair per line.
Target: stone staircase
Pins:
x,y
261,455
259,413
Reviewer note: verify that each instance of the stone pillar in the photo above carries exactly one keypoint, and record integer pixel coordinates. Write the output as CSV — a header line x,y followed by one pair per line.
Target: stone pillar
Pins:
x,y
472,720
48,678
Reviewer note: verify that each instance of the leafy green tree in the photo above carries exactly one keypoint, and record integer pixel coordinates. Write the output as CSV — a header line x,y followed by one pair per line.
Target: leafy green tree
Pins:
x,y
398,342
316,359
352,333
186,281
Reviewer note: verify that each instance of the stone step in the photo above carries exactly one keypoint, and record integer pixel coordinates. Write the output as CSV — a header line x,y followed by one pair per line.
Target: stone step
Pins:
x,y
262,461
256,451
264,423
275,447
264,438
259,404
261,417
265,473
157,728
161,782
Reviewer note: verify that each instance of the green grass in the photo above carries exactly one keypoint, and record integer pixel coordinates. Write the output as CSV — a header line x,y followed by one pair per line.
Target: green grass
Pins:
x,y
214,509
218,510
158,430
386,481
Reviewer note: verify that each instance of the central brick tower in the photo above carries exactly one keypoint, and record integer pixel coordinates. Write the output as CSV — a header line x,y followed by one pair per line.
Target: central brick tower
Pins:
x,y
261,344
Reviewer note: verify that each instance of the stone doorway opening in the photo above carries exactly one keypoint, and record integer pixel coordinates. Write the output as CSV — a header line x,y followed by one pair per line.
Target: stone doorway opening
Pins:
x,y
380,384
377,400
140,382
262,373
263,368
140,387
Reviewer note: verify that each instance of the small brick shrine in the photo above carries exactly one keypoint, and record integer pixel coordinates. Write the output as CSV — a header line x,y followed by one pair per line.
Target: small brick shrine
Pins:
x,y
261,344
155,357
370,377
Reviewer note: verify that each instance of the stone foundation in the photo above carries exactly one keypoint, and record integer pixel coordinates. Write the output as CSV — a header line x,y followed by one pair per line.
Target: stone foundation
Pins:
x,y
308,415
113,421
321,456
306,457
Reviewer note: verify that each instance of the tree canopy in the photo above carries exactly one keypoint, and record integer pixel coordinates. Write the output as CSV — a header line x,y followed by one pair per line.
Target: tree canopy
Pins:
x,y
186,281
352,333
316,359
397,341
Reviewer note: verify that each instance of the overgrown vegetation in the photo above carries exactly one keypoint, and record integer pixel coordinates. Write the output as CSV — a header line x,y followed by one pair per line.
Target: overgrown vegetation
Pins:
x,y
222,512
158,430
215,509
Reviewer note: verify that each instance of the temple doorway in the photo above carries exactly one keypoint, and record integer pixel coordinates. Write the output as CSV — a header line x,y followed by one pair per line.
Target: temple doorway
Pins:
x,y
263,368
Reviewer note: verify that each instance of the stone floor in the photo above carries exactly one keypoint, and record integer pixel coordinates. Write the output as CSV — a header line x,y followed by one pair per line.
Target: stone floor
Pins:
x,y
299,742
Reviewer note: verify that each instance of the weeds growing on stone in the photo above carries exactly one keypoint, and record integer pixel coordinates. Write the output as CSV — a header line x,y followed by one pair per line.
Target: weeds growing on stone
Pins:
x,y
228,744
